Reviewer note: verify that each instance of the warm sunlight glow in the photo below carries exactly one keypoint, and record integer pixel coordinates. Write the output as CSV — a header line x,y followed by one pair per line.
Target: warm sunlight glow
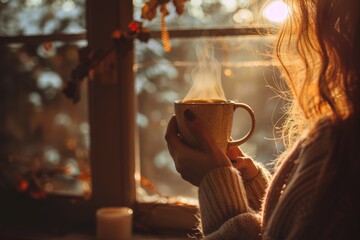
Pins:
x,y
228,72
276,11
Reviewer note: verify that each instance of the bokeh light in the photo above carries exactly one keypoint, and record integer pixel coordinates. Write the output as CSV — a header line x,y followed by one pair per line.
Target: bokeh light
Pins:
x,y
276,11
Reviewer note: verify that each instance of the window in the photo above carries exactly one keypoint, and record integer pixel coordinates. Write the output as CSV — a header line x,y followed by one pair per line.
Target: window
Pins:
x,y
46,137
44,155
118,127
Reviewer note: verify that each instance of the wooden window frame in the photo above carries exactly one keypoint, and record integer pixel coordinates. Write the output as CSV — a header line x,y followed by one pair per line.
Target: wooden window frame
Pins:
x,y
112,111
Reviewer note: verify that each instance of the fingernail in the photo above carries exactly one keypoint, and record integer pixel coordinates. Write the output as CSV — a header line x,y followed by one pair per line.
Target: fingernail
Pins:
x,y
189,115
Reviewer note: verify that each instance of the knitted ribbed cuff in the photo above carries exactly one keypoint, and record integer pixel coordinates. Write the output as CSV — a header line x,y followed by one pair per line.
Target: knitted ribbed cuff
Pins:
x,y
221,196
256,187
243,226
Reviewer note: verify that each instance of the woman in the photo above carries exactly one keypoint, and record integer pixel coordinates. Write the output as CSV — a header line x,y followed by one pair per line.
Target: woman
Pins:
x,y
312,192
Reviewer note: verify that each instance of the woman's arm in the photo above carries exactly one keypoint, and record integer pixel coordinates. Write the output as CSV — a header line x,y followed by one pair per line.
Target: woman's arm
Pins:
x,y
256,187
222,193
224,208
255,176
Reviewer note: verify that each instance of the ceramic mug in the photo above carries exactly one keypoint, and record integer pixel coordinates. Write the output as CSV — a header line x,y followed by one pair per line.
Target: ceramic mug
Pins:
x,y
216,117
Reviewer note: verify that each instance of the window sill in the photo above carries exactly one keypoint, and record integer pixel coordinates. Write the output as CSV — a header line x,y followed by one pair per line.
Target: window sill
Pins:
x,y
78,236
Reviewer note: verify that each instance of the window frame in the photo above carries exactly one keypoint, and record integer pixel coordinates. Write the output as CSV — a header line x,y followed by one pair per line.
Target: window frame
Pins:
x,y
114,155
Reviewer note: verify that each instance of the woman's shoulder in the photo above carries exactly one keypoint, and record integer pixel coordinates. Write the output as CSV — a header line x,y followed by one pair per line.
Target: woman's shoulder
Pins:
x,y
320,134
318,143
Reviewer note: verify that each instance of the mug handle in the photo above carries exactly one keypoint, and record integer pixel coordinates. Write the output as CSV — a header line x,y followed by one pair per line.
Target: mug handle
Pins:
x,y
233,143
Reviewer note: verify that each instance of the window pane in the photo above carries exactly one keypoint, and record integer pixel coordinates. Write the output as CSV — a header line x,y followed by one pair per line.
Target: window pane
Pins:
x,y
202,14
36,17
247,76
44,135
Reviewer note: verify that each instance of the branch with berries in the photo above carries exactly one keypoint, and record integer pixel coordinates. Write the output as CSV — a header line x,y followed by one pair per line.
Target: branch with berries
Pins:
x,y
89,59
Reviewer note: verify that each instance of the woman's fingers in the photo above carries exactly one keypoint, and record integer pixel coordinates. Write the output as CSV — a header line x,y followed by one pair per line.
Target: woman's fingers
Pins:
x,y
172,138
234,152
194,163
244,164
246,167
172,130
179,151
202,136
240,163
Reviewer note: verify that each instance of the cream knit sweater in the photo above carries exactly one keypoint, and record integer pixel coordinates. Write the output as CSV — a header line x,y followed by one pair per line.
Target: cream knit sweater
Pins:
x,y
230,207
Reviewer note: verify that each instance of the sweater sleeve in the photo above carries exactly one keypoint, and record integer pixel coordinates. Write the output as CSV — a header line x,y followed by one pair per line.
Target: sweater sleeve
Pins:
x,y
245,226
224,207
256,187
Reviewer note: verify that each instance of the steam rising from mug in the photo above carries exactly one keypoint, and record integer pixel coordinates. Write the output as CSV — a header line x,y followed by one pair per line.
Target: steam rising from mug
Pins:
x,y
206,78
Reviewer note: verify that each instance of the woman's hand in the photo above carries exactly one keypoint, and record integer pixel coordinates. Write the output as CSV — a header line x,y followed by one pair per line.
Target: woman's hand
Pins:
x,y
194,163
244,164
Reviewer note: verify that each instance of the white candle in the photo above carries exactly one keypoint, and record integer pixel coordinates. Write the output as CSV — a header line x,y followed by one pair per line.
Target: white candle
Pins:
x,y
114,223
